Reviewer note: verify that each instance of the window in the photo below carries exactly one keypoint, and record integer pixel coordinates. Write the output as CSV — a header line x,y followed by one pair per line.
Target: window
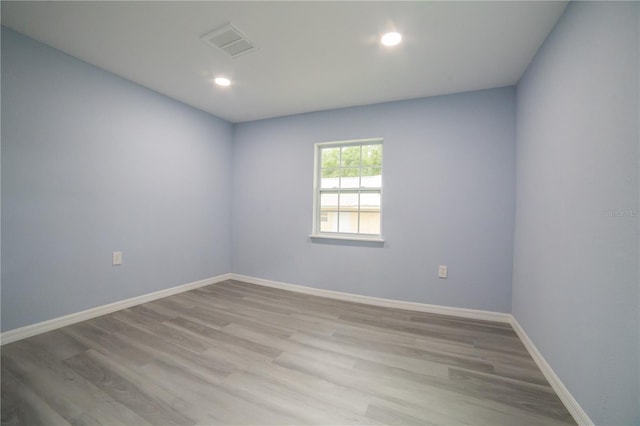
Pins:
x,y
348,189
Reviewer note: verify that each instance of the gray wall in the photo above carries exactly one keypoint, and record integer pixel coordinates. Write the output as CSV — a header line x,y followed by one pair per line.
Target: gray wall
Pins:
x,y
449,170
575,289
91,164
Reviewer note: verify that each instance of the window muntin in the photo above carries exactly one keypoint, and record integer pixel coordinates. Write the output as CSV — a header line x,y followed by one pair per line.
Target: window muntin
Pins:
x,y
348,188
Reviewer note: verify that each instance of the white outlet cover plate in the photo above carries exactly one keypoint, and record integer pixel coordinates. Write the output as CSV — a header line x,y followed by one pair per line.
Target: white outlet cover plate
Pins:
x,y
442,271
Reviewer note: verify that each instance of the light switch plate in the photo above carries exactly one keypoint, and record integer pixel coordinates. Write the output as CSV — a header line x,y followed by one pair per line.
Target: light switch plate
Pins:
x,y
116,258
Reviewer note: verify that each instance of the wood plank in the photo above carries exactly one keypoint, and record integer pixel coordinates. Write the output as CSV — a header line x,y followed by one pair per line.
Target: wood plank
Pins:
x,y
21,406
69,394
92,367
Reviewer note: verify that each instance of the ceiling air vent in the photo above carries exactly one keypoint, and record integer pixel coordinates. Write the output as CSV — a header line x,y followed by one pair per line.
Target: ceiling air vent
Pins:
x,y
231,41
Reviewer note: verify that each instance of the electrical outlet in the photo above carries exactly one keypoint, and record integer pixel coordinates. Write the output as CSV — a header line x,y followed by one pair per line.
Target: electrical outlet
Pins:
x,y
442,271
116,258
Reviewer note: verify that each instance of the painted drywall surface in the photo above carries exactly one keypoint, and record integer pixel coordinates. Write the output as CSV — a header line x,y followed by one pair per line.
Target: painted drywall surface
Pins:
x,y
91,164
448,198
575,289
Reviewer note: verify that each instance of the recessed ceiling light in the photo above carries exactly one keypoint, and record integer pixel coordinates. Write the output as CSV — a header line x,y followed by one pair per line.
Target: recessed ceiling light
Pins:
x,y
222,81
391,39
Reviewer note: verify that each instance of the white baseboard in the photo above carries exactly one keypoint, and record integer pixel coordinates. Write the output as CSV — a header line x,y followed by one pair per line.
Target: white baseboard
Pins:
x,y
561,390
377,301
52,324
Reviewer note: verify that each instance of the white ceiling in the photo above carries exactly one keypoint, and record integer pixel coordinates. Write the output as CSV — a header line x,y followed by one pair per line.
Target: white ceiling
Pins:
x,y
312,55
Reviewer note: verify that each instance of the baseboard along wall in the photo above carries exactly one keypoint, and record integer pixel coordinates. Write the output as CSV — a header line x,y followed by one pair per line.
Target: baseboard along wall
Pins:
x,y
52,324
576,411
579,415
378,301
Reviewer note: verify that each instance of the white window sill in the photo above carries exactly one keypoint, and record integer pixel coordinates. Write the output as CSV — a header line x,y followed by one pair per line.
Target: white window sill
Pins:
x,y
377,240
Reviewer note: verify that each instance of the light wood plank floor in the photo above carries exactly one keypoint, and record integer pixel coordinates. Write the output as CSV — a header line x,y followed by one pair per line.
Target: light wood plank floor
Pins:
x,y
236,353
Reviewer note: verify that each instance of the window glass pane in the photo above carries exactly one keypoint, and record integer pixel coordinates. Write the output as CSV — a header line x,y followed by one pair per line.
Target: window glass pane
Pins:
x,y
328,212
330,157
350,178
330,178
369,222
350,156
371,177
329,201
370,201
371,155
350,172
349,202
348,222
330,173
328,221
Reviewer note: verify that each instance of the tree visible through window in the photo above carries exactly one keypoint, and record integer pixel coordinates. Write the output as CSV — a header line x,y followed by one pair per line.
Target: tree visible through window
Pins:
x,y
348,194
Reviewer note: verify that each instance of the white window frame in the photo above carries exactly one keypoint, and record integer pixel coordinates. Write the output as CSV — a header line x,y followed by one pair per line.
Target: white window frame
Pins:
x,y
317,159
